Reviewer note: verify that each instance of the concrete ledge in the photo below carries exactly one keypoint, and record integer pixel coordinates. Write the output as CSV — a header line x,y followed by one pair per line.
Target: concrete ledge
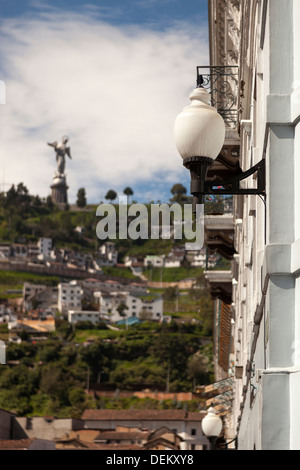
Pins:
x,y
279,109
219,222
277,260
295,105
218,276
282,260
296,258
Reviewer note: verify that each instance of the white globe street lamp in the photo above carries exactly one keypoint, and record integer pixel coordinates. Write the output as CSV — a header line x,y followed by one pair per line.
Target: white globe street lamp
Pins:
x,y
199,130
199,133
212,426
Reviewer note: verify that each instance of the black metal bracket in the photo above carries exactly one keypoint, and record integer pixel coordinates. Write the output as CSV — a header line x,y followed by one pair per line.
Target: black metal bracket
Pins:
x,y
232,185
222,82
226,445
198,167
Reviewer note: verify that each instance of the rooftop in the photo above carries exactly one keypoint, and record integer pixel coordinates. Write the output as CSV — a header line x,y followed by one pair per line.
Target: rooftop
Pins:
x,y
141,415
121,436
20,444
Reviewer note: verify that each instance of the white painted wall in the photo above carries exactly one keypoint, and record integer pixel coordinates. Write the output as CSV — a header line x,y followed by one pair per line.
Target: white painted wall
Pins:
x,y
69,296
270,417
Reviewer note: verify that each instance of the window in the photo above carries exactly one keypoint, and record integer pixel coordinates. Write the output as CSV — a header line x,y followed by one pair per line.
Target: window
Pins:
x,y
194,432
28,423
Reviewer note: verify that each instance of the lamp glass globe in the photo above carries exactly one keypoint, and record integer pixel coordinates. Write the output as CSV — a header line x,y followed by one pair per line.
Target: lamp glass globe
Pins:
x,y
199,131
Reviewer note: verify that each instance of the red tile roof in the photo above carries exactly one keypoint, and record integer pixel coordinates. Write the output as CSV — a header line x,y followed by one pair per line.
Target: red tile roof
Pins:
x,y
141,415
121,435
75,444
119,447
20,444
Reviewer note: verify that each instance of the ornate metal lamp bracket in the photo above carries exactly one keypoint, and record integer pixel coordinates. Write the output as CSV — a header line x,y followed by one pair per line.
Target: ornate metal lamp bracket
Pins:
x,y
222,84
232,185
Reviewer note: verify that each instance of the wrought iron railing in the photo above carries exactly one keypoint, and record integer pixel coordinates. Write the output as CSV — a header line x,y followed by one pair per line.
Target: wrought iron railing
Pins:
x,y
222,83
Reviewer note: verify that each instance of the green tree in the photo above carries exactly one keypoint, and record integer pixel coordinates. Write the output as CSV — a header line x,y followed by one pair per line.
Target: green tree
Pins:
x,y
49,203
17,385
55,382
172,352
36,201
52,380
128,192
77,396
81,198
206,313
111,195
49,352
97,357
128,375
197,369
170,293
121,309
145,314
179,193
66,223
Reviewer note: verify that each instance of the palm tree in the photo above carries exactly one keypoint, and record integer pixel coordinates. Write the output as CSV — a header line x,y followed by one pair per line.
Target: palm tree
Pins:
x,y
111,195
128,191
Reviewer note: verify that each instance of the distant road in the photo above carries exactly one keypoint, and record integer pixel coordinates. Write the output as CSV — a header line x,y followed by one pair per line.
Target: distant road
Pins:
x,y
60,271
184,284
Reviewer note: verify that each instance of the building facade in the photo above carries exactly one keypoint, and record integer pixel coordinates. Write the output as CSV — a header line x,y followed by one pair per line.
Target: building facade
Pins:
x,y
69,296
45,247
259,41
76,316
142,306
187,425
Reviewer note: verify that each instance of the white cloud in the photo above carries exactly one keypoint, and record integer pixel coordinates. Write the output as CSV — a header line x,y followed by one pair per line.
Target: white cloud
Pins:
x,y
116,92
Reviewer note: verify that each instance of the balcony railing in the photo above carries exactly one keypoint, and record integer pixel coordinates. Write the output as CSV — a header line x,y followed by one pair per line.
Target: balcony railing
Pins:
x,y
222,83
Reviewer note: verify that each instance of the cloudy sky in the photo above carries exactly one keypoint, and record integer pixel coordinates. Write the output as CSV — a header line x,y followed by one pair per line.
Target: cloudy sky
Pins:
x,y
110,74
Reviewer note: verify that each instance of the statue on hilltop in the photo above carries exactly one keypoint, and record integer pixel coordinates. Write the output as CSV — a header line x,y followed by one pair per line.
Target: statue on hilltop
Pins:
x,y
61,150
59,186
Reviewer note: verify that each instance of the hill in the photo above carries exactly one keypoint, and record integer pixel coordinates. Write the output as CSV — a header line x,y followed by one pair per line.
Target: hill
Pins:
x,y
50,376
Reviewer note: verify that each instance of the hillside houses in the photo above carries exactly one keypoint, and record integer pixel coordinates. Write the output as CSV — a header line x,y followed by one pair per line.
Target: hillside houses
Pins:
x,y
116,302
141,306
90,300
44,253
40,250
93,296
198,257
41,296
